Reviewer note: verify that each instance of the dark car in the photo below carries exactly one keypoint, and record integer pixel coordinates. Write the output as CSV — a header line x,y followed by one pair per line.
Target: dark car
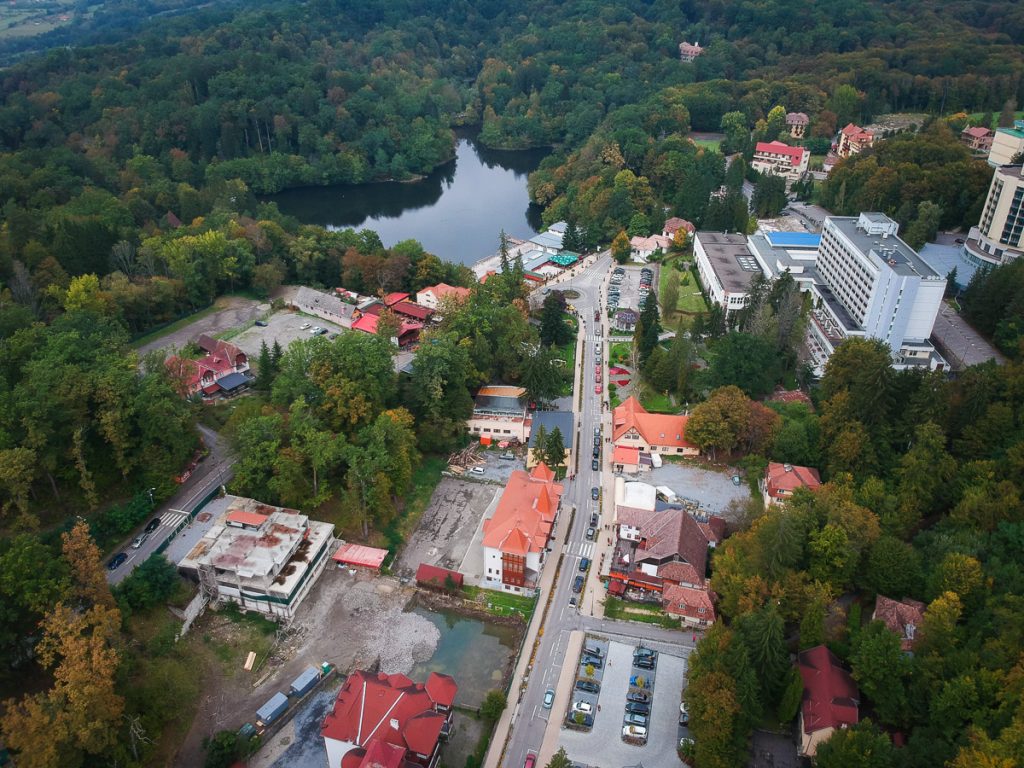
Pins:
x,y
594,493
597,451
597,441
584,564
597,314
590,534
639,697
595,465
636,708
577,584
152,525
641,651
593,519
593,661
588,686
646,663
261,323
635,719
116,561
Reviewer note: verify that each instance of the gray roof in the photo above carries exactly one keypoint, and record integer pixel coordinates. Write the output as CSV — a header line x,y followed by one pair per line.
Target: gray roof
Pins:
x,y
943,258
779,258
900,257
234,381
550,420
325,302
731,260
548,239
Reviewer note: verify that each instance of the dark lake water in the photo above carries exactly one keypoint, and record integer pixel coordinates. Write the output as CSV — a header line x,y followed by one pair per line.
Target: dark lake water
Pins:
x,y
457,212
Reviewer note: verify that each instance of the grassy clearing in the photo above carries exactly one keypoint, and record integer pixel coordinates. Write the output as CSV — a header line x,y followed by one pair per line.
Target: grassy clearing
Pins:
x,y
975,117
656,402
712,144
620,352
501,603
616,608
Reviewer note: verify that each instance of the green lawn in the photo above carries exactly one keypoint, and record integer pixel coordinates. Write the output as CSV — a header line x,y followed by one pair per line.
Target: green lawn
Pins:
x,y
616,608
690,299
976,117
568,354
501,603
656,402
620,352
713,144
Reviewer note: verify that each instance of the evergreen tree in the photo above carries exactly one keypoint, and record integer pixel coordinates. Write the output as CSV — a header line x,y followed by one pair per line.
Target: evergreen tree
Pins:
x,y
553,328
264,369
276,353
647,329
540,445
573,239
554,449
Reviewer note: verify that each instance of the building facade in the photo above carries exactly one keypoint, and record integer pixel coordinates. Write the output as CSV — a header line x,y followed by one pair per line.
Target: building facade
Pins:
x,y
1007,144
997,238
797,123
501,413
726,268
780,480
634,427
780,159
853,140
871,284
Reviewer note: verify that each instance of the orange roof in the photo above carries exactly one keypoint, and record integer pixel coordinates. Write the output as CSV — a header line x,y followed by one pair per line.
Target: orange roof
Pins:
x,y
625,455
359,554
242,517
655,428
783,479
442,290
526,512
686,601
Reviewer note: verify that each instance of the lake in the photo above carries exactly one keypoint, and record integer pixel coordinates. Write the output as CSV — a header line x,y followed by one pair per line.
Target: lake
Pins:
x,y
457,212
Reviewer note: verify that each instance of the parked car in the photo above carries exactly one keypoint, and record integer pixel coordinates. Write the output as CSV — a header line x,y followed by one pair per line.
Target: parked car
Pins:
x,y
261,323
593,519
594,661
597,389
315,330
644,663
305,326
595,465
597,431
632,719
572,601
588,686
642,651
152,525
476,470
139,540
634,732
582,706
597,376
597,440
584,564
508,456
549,698
594,493
597,315
319,331
116,561
531,760
597,452
639,697
684,715
636,708
577,584
332,336
590,534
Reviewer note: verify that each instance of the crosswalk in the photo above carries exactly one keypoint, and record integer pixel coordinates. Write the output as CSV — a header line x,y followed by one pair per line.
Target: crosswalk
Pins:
x,y
580,548
172,519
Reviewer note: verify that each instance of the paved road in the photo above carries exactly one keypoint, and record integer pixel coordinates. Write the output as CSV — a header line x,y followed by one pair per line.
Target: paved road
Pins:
x,y
214,470
531,721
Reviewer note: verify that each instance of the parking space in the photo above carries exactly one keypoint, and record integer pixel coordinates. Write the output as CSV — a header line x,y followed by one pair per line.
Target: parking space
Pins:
x,y
584,703
629,285
662,685
714,491
284,328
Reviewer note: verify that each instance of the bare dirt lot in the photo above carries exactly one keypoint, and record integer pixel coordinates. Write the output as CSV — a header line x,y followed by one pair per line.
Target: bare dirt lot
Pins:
x,y
350,621
448,525
232,312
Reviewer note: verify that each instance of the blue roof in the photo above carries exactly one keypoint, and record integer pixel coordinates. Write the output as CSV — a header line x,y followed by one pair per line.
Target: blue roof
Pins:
x,y
550,420
793,239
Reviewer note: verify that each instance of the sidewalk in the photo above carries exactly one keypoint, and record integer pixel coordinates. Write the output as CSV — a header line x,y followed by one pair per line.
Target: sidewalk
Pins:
x,y
563,693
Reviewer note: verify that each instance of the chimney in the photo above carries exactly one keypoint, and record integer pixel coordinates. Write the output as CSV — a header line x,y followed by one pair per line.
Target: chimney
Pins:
x,y
787,467
394,723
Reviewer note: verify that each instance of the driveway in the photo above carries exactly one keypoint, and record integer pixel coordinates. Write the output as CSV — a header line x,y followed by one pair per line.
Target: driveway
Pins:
x,y
232,312
713,491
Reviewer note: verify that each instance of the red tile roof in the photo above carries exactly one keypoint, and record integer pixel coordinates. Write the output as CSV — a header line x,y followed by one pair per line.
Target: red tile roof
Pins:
x,y
242,517
368,324
831,697
685,601
901,618
680,573
783,479
388,708
360,555
442,688
655,428
526,512
795,154
674,224
443,290
978,132
856,133
393,298
625,455
409,309
713,529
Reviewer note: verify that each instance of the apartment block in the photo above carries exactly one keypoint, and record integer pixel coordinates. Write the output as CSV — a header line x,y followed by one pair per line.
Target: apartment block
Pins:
x,y
997,238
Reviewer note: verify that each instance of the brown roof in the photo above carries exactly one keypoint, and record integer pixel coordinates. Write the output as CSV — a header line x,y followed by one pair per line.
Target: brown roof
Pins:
x,y
831,697
900,618
783,479
526,512
978,132
680,573
655,428
666,535
689,602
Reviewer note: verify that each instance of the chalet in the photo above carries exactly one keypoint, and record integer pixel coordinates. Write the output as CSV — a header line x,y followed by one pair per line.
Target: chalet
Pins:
x,y
645,247
689,51
780,159
625,320
388,721
780,480
204,375
674,224
977,139
797,123
693,607
901,617
634,427
432,296
830,701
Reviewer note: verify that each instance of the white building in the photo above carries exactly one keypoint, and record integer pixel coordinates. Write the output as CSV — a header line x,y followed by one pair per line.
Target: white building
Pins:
x,y
262,557
781,252
726,268
642,248
1006,144
872,284
998,236
780,159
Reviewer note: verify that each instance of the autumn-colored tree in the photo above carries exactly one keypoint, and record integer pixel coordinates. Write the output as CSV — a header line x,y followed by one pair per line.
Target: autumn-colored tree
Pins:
x,y
621,248
89,581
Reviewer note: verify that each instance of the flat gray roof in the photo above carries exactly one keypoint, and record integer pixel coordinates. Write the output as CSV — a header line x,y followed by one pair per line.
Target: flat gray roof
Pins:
x,y
901,257
774,255
550,420
731,260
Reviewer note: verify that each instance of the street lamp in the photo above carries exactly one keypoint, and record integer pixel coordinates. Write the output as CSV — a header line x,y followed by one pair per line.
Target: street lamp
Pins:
x,y
150,492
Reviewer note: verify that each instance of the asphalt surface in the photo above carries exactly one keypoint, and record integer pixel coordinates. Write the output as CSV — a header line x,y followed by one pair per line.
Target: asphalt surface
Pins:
x,y
214,470
531,719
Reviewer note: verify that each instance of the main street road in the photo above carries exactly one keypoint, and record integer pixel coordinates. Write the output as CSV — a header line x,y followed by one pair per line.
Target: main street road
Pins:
x,y
531,720
214,470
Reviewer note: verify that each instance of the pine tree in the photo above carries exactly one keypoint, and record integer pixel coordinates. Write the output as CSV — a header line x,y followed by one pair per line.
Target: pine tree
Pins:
x,y
554,452
264,369
540,445
276,354
647,328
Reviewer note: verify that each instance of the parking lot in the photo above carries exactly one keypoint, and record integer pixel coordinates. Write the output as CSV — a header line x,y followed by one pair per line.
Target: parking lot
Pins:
x,y
664,684
283,327
630,293
713,490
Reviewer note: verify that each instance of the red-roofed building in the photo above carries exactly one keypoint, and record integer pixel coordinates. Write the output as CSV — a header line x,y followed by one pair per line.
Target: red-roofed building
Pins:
x,y
239,518
780,480
634,427
853,140
433,296
393,298
902,618
625,459
692,606
359,556
689,51
516,536
780,159
408,331
194,376
435,577
681,574
674,224
413,311
831,699
978,139
388,721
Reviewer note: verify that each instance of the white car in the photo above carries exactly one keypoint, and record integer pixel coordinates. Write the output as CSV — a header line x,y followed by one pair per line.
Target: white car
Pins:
x,y
476,470
634,732
139,540
315,330
582,706
305,326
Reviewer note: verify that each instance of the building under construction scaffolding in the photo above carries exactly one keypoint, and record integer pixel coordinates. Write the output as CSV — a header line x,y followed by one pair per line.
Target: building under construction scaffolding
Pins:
x,y
262,557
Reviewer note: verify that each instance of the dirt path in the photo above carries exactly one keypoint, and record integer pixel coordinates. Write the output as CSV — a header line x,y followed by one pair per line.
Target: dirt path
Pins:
x,y
232,311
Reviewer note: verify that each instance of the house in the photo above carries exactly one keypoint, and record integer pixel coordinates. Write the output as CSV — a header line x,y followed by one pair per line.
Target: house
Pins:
x,y
408,331
388,721
780,480
563,420
780,159
689,51
203,375
432,296
625,320
797,123
902,618
830,699
726,268
692,606
500,413
262,557
625,459
412,311
434,577
977,139
634,427
1007,144
674,224
351,555
516,537
331,308
853,140
645,247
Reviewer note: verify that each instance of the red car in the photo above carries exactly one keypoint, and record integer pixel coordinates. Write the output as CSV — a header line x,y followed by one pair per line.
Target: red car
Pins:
x,y
530,760
597,377
597,389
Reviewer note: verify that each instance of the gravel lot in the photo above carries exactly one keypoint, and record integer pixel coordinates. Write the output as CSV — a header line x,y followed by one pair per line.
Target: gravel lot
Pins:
x,y
283,327
663,727
714,490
